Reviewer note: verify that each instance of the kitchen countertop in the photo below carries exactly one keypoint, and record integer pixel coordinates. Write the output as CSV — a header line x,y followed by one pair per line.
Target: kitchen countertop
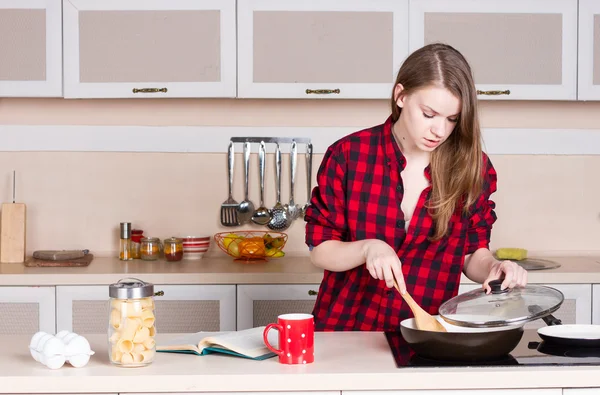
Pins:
x,y
343,361
223,270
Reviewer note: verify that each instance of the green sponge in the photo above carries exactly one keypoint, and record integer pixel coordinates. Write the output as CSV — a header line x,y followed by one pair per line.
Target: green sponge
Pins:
x,y
515,254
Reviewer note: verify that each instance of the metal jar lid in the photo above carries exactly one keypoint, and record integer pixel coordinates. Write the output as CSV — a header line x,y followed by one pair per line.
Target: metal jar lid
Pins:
x,y
130,288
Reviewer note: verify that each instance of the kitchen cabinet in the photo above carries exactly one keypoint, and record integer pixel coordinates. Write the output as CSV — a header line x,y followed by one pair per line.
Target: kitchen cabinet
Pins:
x,y
27,310
596,304
589,50
548,391
148,49
259,305
320,48
182,308
30,48
580,391
518,49
576,307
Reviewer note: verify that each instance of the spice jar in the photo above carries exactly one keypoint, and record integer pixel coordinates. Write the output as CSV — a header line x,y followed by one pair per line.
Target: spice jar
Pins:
x,y
173,249
150,248
136,240
131,327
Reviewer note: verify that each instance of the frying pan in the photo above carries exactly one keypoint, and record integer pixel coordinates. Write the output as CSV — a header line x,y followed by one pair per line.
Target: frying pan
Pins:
x,y
576,335
461,343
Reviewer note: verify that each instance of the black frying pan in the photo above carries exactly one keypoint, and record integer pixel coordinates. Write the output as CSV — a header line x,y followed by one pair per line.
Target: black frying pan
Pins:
x,y
460,343
576,335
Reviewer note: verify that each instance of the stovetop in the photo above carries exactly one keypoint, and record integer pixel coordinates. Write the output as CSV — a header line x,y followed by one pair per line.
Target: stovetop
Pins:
x,y
531,351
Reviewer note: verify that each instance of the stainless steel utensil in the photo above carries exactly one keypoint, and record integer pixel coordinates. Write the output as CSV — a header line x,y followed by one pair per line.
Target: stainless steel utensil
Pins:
x,y
291,207
261,215
229,208
246,207
309,152
278,213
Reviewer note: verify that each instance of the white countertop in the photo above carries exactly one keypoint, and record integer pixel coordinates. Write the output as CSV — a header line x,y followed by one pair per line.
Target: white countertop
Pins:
x,y
224,270
343,361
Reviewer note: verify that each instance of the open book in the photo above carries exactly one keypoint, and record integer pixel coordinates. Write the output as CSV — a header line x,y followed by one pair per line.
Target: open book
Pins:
x,y
246,343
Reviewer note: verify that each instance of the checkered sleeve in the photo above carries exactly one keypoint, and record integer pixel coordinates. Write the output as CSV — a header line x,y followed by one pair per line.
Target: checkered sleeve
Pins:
x,y
326,215
483,216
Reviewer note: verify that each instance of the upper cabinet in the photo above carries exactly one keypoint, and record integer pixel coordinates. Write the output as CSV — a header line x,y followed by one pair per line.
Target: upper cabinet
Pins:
x,y
320,48
589,50
518,49
149,48
30,48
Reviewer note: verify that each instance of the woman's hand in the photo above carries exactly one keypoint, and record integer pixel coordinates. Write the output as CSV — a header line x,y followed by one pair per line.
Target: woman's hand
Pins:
x,y
514,275
383,263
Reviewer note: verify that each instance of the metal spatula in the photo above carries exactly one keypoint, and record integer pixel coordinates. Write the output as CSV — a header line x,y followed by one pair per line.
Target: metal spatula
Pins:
x,y
229,214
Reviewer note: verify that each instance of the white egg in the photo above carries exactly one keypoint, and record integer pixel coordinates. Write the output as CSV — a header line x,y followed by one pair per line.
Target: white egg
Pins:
x,y
78,345
67,338
53,362
62,334
33,345
40,346
79,361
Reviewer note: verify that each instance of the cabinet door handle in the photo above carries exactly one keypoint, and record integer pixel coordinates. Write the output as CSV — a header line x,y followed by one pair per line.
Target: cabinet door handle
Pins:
x,y
149,90
493,93
322,91
312,293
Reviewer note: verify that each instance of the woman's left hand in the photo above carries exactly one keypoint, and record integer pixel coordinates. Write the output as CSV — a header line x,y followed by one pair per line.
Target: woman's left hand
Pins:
x,y
514,275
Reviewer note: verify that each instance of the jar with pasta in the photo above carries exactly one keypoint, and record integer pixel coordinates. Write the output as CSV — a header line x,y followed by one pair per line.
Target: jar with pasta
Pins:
x,y
131,328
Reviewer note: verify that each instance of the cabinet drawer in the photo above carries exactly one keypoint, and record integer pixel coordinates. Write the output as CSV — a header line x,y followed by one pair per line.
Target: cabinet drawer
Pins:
x,y
182,308
26,310
259,305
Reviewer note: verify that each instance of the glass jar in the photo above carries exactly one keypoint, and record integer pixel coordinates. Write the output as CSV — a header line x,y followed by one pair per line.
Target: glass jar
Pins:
x,y
173,249
136,240
150,248
131,323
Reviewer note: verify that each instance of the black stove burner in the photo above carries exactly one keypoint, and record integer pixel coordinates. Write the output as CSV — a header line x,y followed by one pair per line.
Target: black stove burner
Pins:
x,y
532,353
562,351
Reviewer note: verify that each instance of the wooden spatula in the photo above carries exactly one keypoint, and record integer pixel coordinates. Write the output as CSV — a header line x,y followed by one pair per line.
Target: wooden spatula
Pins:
x,y
424,320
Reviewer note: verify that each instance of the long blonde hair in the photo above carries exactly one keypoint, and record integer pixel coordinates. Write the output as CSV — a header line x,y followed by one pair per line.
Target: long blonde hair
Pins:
x,y
456,165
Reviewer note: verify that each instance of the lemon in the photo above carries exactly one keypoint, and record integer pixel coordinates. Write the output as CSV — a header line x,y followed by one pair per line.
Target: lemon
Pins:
x,y
233,249
228,239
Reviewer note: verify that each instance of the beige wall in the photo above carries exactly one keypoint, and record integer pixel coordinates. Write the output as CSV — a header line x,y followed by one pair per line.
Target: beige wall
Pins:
x,y
76,200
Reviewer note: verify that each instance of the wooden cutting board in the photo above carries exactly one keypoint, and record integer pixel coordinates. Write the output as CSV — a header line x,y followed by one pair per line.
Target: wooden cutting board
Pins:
x,y
79,262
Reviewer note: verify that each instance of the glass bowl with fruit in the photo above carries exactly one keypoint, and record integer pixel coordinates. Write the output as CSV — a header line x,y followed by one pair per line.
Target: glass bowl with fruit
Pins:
x,y
252,245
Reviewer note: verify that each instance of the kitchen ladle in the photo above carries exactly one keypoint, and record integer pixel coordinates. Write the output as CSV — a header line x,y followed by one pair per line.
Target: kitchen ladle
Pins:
x,y
278,212
423,319
309,151
261,215
292,208
246,207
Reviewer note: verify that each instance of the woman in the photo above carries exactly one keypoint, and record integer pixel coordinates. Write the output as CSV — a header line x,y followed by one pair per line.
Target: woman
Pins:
x,y
408,200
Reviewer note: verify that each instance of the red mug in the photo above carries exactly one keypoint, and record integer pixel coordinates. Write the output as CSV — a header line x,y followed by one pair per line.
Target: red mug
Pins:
x,y
296,338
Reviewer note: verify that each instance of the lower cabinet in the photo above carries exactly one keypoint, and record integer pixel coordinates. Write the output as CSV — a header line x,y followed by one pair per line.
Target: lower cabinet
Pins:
x,y
576,308
596,304
259,305
182,308
27,310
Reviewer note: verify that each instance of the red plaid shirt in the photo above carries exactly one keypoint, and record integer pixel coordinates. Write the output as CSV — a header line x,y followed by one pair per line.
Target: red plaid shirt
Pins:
x,y
357,197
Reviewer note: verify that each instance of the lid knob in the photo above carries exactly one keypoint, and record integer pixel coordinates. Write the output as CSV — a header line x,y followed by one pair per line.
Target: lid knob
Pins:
x,y
496,286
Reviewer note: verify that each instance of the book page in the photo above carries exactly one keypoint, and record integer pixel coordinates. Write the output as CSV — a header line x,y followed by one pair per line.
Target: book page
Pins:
x,y
185,342
248,342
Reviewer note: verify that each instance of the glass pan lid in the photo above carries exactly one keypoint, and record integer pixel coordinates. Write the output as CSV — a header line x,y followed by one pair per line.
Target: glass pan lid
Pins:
x,y
515,306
